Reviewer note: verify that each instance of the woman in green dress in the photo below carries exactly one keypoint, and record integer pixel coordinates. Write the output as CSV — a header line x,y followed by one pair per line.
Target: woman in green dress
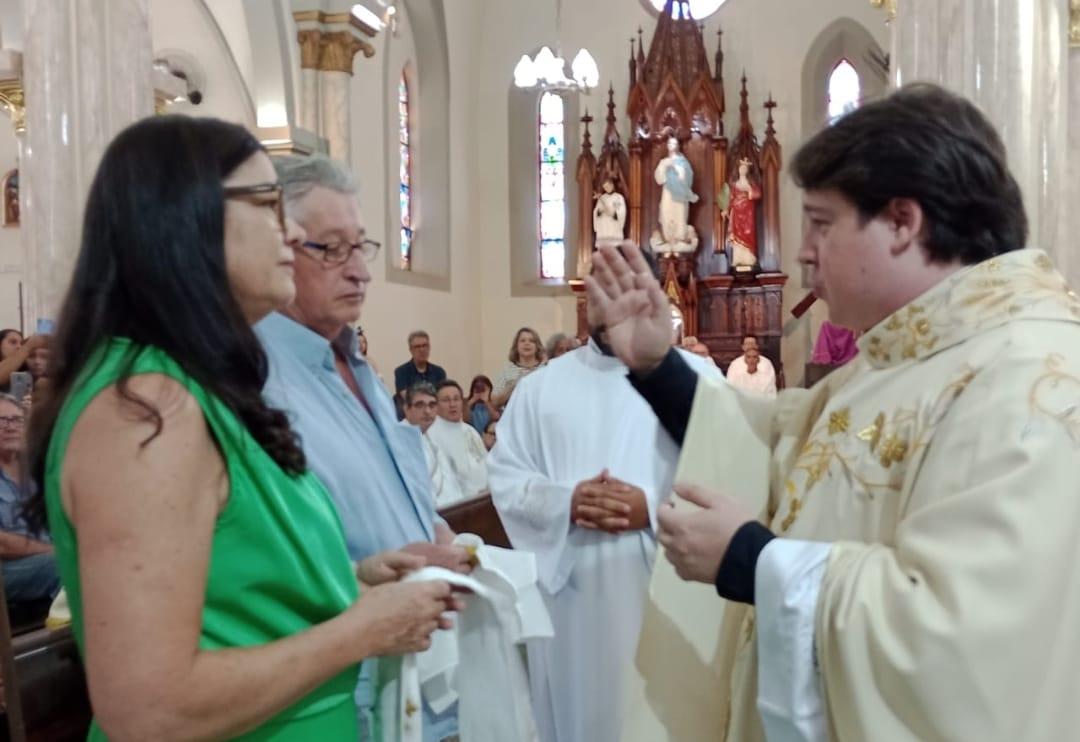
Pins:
x,y
211,593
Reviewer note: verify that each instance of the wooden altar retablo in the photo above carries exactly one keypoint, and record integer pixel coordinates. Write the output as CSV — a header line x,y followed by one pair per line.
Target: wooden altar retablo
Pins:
x,y
674,93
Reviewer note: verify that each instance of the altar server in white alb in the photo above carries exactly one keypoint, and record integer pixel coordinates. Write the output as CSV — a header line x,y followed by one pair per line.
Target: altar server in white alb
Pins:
x,y
459,440
915,576
577,474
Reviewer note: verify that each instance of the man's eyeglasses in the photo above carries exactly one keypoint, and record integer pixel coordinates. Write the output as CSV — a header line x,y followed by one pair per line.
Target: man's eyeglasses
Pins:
x,y
250,195
336,253
425,405
11,422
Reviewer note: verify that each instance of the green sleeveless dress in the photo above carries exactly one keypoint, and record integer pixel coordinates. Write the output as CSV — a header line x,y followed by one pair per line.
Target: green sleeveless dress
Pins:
x,y
278,563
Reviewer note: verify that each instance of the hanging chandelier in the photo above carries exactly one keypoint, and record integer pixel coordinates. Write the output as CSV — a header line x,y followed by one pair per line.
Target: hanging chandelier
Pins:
x,y
547,70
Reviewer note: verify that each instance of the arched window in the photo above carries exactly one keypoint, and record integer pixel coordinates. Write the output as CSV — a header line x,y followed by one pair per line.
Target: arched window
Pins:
x,y
552,148
698,9
844,90
405,173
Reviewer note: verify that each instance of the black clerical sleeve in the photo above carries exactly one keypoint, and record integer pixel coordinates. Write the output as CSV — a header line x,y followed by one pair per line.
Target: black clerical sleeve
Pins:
x,y
738,569
669,390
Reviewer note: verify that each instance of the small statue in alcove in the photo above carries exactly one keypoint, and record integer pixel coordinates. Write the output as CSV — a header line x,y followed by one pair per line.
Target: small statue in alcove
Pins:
x,y
738,205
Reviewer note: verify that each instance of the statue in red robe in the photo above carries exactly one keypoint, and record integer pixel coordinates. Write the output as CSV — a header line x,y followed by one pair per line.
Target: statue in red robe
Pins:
x,y
741,214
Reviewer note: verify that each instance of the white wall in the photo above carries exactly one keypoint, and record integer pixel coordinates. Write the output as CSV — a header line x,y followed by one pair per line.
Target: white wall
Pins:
x,y
392,310
191,27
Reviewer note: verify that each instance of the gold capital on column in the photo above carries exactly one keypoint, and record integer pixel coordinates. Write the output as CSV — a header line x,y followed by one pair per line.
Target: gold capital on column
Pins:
x,y
13,102
309,48
888,5
337,49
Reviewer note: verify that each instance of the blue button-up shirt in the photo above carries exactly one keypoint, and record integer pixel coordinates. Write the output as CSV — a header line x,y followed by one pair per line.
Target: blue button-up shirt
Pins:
x,y
11,502
373,467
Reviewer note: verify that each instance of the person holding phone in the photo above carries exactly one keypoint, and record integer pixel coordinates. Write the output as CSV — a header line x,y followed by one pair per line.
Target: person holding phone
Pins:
x,y
211,593
15,355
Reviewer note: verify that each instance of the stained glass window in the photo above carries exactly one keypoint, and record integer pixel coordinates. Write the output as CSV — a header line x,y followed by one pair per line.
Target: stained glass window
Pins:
x,y
405,173
844,90
552,148
699,9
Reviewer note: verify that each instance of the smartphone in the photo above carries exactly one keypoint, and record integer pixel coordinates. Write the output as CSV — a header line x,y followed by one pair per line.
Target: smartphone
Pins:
x,y
21,384
45,326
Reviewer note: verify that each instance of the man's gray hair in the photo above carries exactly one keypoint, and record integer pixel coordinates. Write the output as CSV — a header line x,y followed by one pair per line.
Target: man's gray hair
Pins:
x,y
419,388
10,399
298,175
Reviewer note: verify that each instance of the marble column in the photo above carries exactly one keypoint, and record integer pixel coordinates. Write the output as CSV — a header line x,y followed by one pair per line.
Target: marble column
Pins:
x,y
1070,255
1009,56
328,45
87,74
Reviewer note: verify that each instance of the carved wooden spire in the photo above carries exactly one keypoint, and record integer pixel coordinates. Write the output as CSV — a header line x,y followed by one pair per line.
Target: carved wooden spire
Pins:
x,y
640,55
633,65
586,142
718,60
611,132
677,49
744,108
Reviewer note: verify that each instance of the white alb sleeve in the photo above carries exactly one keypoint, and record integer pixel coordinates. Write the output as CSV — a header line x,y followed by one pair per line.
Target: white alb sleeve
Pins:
x,y
786,587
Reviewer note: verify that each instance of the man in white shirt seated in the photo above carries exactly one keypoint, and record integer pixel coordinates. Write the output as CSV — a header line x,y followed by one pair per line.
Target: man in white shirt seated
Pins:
x,y
459,440
752,372
420,406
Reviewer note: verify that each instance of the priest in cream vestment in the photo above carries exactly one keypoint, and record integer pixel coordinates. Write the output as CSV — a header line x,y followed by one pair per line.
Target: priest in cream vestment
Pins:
x,y
910,575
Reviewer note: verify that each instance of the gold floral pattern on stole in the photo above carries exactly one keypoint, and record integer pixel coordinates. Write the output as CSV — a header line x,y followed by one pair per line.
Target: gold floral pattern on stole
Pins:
x,y
906,333
1020,283
1056,394
874,457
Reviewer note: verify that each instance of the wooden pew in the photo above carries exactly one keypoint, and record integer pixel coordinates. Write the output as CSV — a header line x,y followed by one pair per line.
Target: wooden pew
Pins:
x,y
477,516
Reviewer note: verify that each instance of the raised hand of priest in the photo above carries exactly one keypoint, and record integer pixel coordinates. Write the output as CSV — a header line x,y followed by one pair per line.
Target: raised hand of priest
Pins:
x,y
696,541
388,566
625,299
442,555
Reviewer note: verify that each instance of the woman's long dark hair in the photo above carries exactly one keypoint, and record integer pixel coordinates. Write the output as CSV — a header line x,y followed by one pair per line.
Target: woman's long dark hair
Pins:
x,y
151,268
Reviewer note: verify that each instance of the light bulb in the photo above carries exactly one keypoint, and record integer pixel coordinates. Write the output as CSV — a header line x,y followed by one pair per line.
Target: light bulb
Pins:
x,y
525,72
584,70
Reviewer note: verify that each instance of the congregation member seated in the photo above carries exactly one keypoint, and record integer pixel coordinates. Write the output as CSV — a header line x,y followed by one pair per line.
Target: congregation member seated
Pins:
x,y
418,368
420,412
489,435
558,344
373,468
211,592
459,440
479,410
30,577
752,372
526,355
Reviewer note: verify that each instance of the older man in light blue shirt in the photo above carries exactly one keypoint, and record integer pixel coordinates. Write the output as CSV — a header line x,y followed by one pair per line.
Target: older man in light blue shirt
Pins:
x,y
373,467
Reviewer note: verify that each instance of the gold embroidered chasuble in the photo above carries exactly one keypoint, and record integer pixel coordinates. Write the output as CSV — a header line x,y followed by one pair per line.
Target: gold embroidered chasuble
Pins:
x,y
943,464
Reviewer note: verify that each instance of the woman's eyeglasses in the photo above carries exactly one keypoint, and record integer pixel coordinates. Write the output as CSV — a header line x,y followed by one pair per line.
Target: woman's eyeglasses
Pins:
x,y
250,195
